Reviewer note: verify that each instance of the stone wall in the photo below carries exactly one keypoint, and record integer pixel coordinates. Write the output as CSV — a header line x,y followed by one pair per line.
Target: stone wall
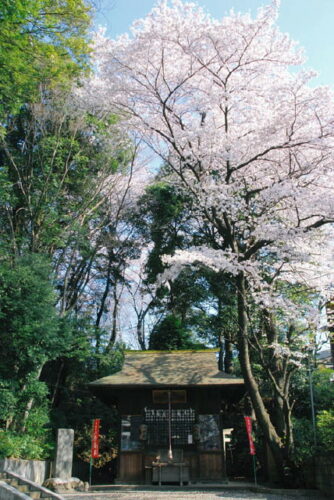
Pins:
x,y
34,470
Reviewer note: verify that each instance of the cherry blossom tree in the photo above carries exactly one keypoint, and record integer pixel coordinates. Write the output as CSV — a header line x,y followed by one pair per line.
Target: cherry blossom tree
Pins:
x,y
252,142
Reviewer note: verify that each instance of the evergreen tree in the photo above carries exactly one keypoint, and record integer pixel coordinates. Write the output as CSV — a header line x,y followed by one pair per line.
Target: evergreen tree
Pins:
x,y
169,335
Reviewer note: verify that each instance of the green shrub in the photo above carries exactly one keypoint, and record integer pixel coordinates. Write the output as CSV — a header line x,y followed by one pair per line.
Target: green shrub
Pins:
x,y
108,449
325,427
25,446
303,435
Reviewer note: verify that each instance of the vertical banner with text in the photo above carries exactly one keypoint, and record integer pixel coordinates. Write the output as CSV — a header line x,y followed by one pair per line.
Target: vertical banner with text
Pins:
x,y
248,422
95,438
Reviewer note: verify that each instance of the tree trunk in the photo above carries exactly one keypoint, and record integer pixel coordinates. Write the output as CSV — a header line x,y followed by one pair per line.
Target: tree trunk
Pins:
x,y
114,327
252,387
330,325
22,425
221,354
281,414
58,381
225,360
228,360
140,333
277,415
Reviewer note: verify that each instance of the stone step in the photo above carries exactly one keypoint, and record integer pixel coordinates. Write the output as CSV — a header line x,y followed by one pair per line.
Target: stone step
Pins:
x,y
24,488
35,494
27,487
13,482
7,491
28,490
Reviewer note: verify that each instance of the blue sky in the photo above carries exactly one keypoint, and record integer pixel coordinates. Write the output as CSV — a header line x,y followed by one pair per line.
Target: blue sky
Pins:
x,y
311,22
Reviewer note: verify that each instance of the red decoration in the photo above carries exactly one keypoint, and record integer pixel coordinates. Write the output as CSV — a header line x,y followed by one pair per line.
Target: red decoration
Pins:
x,y
248,422
95,438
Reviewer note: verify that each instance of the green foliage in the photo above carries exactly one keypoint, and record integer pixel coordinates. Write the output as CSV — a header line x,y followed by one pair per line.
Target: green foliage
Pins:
x,y
56,164
25,446
303,434
32,334
323,392
304,449
110,362
38,422
161,219
8,399
37,440
325,428
170,335
29,325
77,407
323,388
107,446
49,185
55,169
165,218
42,42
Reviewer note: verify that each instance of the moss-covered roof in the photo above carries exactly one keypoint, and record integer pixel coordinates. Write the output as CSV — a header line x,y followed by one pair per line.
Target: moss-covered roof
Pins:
x,y
168,368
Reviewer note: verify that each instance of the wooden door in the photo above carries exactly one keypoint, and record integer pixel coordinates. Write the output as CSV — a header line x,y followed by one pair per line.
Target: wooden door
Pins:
x,y
131,466
211,465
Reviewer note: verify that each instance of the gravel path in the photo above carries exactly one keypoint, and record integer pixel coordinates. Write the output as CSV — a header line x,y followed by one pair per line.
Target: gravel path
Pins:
x,y
193,495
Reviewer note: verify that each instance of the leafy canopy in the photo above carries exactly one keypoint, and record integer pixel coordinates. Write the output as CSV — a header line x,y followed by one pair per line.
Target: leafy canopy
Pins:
x,y
41,42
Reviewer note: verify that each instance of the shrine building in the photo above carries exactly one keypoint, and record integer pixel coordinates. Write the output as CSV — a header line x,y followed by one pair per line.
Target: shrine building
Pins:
x,y
171,406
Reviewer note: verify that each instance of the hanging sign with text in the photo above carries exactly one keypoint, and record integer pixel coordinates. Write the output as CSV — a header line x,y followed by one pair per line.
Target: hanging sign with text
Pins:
x,y
248,422
95,438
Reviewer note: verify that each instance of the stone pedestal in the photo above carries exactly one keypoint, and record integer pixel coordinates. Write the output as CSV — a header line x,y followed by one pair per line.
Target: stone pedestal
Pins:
x,y
64,454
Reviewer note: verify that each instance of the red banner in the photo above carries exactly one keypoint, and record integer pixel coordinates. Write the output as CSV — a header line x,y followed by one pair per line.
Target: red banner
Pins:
x,y
95,438
248,422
